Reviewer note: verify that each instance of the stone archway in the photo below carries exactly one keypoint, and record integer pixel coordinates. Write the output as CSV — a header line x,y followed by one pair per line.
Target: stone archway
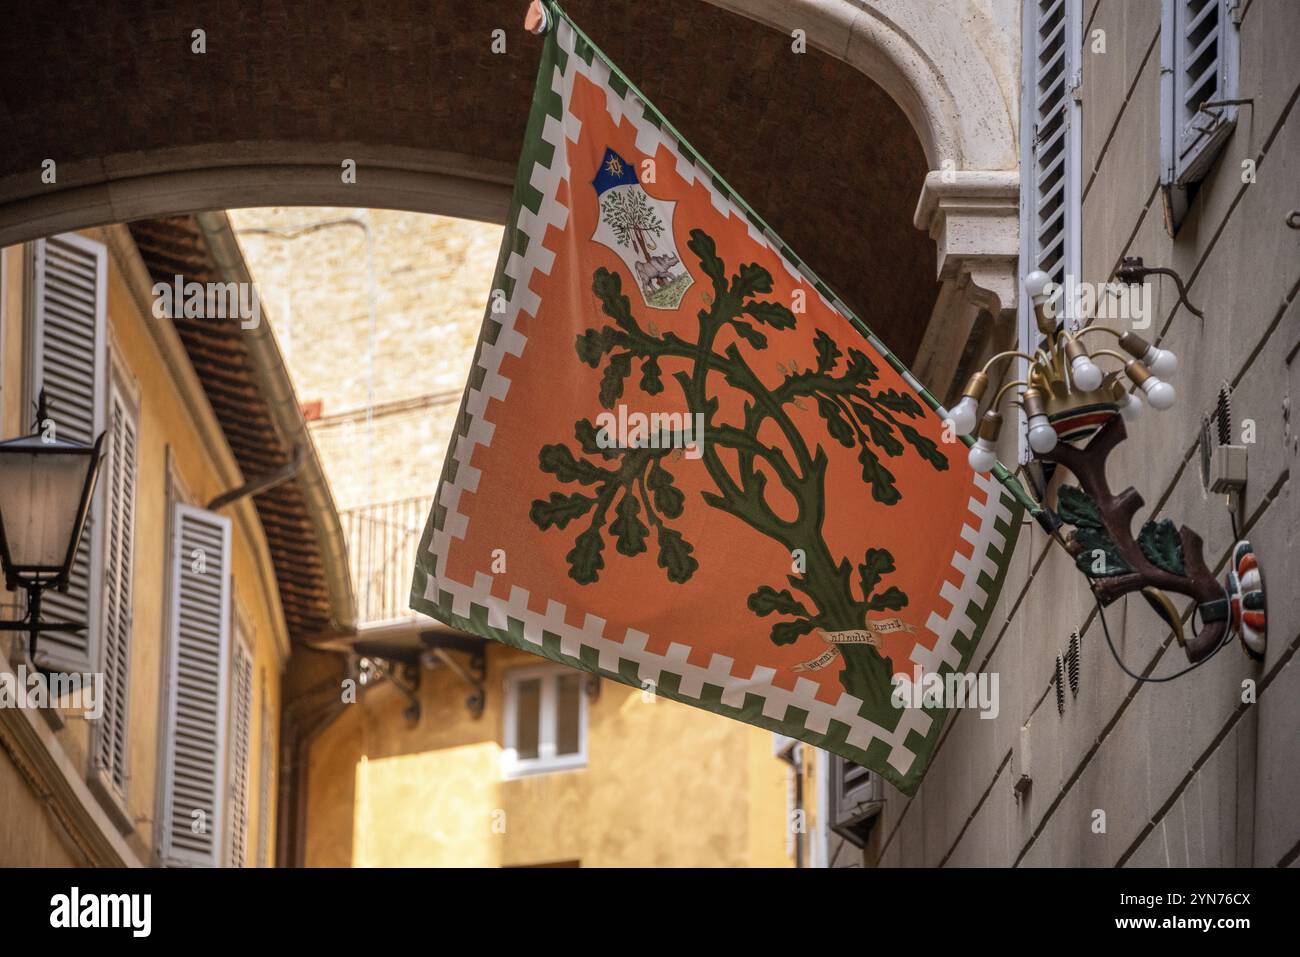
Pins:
x,y
906,121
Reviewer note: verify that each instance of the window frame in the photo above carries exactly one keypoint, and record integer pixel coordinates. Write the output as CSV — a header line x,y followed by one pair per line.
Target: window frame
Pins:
x,y
1182,166
512,766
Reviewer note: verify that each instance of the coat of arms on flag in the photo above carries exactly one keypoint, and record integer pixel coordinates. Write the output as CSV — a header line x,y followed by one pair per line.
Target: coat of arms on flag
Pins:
x,y
708,477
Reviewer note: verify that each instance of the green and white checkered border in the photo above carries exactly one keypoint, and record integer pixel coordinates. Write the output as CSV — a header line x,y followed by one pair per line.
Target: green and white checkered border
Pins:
x,y
900,754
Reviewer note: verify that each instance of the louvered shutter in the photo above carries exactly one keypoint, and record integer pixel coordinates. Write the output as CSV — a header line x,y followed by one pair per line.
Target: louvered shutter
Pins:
x,y
118,491
67,361
856,797
1050,131
1199,59
265,770
241,718
192,813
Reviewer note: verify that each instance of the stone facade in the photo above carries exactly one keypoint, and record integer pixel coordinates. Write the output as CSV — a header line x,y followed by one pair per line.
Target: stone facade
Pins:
x,y
387,395
1186,772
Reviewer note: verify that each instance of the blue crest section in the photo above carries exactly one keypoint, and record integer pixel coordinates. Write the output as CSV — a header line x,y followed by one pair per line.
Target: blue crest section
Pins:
x,y
614,171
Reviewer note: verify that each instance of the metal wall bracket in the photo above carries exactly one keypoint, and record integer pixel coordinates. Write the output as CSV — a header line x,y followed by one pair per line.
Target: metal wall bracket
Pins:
x,y
438,648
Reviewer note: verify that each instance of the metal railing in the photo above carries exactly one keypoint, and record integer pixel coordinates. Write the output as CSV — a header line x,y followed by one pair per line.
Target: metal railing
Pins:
x,y
382,542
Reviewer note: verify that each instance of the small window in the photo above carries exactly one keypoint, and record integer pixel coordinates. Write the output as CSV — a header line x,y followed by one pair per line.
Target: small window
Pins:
x,y
856,799
1199,59
545,720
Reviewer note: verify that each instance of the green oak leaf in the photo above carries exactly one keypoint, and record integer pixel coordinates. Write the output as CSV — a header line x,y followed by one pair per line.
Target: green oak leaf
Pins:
x,y
750,279
652,382
1094,543
767,600
861,369
608,287
750,334
788,632
770,314
881,432
891,598
559,461
839,427
559,510
611,383
1163,546
628,527
586,434
827,351
668,499
899,402
585,561
926,448
706,250
675,555
877,563
593,344
1077,507
880,479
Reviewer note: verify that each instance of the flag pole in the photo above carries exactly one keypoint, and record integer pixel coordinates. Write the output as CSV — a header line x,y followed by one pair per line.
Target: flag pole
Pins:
x,y
538,19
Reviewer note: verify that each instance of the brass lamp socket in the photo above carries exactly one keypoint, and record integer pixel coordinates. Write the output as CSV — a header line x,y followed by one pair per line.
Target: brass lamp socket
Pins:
x,y
1134,345
1137,372
1074,349
977,386
1032,401
1046,323
990,425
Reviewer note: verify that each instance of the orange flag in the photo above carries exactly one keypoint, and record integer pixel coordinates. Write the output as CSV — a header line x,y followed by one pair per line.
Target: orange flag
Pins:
x,y
683,464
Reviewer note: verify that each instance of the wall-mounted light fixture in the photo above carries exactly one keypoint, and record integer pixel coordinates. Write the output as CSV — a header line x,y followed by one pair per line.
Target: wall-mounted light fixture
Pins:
x,y
1076,415
46,486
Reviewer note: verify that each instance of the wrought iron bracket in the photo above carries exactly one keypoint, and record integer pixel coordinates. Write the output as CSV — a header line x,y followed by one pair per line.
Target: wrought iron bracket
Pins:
x,y
438,648
408,687
1133,270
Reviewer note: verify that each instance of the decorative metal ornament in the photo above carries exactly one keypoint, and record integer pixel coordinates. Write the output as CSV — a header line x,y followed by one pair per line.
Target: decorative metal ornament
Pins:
x,y
1076,417
1245,588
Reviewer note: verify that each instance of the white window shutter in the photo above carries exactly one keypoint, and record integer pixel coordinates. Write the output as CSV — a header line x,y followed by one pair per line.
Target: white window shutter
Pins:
x,y
199,632
241,720
1051,160
68,362
1199,60
1051,196
265,770
117,486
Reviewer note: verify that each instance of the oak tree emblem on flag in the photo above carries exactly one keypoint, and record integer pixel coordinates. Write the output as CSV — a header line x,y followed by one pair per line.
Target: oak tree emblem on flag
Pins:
x,y
640,229
823,545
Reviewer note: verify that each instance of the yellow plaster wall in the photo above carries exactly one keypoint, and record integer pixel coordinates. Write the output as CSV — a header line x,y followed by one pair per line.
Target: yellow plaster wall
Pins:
x,y
664,785
166,424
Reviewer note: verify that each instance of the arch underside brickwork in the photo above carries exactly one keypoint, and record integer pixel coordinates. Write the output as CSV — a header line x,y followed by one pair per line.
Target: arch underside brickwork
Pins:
x,y
833,146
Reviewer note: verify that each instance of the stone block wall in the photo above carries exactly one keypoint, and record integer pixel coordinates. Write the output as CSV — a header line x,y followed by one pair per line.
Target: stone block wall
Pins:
x,y
1184,772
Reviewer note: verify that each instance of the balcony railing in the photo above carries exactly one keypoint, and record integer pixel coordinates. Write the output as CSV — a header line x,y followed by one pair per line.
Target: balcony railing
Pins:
x,y
382,542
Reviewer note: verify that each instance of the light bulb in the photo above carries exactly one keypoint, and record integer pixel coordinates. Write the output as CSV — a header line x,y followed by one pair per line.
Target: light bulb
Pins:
x,y
1161,361
982,458
1160,394
1036,284
1042,437
1131,408
963,415
1085,373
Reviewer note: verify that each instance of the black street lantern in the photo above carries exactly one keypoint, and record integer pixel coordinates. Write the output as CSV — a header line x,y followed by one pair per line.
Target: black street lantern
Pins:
x,y
46,486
